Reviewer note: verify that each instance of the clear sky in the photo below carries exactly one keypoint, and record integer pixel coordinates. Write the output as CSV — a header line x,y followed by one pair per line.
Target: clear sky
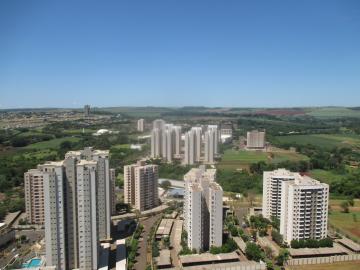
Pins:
x,y
177,53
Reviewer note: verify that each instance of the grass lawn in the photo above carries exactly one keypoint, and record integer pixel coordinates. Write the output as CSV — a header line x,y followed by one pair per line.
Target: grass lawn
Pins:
x,y
79,131
51,144
353,265
121,146
233,159
284,156
325,176
323,140
333,112
349,223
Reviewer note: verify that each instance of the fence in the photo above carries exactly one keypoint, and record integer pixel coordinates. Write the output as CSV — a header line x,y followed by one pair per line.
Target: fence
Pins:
x,y
321,260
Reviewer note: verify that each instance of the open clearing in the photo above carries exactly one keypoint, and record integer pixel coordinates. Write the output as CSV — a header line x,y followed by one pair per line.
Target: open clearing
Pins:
x,y
333,112
348,223
325,176
51,144
322,140
233,160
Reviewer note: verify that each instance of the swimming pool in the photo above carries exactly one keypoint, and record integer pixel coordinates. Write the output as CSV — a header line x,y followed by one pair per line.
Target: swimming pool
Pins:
x,y
32,263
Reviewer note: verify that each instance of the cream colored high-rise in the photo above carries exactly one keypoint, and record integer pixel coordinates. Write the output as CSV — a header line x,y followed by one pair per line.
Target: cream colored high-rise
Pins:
x,y
299,202
34,196
140,125
77,208
255,139
211,144
141,185
203,216
192,148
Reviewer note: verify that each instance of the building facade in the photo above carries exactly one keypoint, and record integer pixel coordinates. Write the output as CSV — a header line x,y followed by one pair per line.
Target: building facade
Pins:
x,y
141,185
299,202
77,208
211,140
255,139
203,218
140,125
34,196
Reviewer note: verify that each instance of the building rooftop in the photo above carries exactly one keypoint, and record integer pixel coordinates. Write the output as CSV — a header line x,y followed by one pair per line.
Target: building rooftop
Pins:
x,y
165,227
317,252
208,258
164,259
349,244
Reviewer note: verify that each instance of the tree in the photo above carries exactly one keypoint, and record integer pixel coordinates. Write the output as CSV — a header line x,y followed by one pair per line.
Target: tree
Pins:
x,y
253,252
268,252
165,184
283,257
345,206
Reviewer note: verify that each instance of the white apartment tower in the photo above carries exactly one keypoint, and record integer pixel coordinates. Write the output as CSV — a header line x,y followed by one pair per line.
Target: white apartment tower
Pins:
x,y
189,147
192,149
77,207
158,123
140,125
210,144
255,139
156,143
203,218
141,185
300,202
177,131
215,130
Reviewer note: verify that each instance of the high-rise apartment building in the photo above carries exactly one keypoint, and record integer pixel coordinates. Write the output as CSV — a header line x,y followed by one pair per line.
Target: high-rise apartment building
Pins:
x,y
158,123
165,141
77,207
299,202
189,147
192,148
156,143
203,218
141,185
177,139
140,125
34,196
87,110
255,139
215,130
211,144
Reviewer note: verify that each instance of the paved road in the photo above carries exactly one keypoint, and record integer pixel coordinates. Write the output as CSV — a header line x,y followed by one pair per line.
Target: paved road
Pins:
x,y
141,258
175,240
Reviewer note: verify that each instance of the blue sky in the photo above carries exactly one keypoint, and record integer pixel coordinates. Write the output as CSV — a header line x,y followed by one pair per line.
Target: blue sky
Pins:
x,y
176,53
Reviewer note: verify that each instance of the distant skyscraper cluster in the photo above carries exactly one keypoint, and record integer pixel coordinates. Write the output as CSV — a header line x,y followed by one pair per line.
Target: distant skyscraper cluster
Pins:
x,y
199,144
76,207
255,139
141,185
203,216
165,141
299,202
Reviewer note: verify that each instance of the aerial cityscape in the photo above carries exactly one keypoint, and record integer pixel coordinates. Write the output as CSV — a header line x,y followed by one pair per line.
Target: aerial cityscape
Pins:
x,y
180,135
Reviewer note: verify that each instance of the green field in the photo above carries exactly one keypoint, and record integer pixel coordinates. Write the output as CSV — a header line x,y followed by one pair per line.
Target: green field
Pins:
x,y
322,140
325,176
233,159
348,223
333,112
51,144
284,156
121,146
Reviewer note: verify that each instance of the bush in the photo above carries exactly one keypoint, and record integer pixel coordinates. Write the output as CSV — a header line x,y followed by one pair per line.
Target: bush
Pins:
x,y
253,252
312,243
